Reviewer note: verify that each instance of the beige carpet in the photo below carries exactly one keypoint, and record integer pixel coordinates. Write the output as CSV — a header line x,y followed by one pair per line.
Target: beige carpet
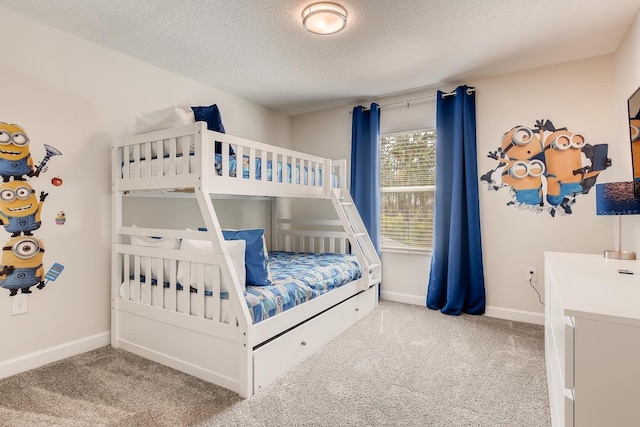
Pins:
x,y
402,365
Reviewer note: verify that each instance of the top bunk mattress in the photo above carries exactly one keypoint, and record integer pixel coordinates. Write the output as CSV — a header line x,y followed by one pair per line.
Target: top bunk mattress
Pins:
x,y
286,174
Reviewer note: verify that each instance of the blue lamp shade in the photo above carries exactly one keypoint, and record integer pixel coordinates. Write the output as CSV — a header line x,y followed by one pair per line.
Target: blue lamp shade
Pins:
x,y
617,198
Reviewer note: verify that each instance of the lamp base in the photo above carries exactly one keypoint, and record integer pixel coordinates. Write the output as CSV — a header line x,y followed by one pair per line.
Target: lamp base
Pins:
x,y
620,255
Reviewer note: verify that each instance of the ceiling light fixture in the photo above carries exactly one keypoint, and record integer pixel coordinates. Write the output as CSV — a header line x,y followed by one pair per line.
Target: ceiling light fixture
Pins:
x,y
324,18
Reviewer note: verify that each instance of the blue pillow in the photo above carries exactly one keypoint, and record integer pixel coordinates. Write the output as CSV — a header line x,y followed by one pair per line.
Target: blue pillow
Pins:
x,y
212,116
255,254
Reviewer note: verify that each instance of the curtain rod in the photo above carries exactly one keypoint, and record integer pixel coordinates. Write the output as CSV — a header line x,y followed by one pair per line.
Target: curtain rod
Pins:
x,y
421,98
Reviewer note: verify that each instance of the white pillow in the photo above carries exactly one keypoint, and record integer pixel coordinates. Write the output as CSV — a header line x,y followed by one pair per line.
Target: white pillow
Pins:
x,y
165,118
156,264
236,250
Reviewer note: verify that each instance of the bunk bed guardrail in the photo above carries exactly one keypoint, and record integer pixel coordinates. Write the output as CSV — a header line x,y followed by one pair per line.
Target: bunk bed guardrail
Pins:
x,y
192,157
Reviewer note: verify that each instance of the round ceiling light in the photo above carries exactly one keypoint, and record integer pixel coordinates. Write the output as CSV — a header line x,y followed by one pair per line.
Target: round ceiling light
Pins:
x,y
324,18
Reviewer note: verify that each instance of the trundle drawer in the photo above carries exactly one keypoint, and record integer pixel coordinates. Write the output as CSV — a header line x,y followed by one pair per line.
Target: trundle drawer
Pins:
x,y
278,356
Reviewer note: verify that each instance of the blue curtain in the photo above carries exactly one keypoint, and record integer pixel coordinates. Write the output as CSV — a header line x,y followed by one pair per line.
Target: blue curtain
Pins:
x,y
456,280
365,168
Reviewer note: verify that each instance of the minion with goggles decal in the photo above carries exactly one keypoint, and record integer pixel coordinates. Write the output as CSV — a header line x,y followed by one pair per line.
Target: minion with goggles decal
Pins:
x,y
572,166
544,163
563,154
22,265
521,143
525,179
520,147
19,208
15,157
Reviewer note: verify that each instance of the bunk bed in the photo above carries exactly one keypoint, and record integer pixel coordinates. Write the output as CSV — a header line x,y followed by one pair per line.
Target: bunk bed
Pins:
x,y
179,295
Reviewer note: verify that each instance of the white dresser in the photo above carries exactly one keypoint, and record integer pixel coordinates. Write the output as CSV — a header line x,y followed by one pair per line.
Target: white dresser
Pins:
x,y
592,340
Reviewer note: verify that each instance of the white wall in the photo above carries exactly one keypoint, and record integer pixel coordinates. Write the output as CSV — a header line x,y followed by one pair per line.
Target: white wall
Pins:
x,y
80,97
578,95
627,80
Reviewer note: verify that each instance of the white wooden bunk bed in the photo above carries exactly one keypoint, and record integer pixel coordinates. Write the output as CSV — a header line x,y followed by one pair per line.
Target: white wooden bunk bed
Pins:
x,y
212,334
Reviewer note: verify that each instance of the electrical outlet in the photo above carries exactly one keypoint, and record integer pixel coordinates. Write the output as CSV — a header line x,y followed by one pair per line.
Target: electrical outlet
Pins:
x,y
19,304
532,274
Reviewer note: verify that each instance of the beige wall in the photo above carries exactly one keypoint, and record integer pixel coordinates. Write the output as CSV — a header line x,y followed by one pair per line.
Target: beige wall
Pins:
x,y
578,95
80,97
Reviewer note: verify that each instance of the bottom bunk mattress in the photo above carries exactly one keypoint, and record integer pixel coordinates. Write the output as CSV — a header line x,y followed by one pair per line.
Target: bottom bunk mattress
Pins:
x,y
297,277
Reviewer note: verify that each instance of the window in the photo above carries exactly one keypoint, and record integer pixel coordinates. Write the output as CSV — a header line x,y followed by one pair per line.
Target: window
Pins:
x,y
407,180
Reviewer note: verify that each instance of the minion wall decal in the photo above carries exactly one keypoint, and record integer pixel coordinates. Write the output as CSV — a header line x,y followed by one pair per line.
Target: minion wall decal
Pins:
x,y
20,210
21,262
545,168
15,157
22,265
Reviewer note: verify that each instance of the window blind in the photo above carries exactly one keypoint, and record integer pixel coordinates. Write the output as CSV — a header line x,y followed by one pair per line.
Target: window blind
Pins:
x,y
407,178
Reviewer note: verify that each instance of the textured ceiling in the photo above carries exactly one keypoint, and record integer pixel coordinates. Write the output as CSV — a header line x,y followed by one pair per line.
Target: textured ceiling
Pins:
x,y
258,49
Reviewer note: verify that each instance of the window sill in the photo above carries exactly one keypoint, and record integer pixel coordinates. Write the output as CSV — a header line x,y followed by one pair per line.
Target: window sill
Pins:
x,y
406,251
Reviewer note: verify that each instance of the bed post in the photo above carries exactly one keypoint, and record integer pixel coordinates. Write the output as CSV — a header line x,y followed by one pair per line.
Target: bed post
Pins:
x,y
340,169
275,218
327,170
116,223
239,308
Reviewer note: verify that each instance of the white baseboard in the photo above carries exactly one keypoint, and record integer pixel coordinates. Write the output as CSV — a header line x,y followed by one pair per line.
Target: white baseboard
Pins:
x,y
497,312
53,354
404,298
516,315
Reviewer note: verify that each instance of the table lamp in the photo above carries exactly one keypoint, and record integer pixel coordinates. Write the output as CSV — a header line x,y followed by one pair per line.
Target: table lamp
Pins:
x,y
617,198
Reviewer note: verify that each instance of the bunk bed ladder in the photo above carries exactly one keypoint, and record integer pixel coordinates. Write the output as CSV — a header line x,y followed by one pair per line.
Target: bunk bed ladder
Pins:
x,y
361,244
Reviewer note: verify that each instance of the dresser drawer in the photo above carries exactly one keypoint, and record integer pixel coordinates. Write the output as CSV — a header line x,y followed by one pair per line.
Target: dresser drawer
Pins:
x,y
569,403
561,333
569,349
561,399
278,356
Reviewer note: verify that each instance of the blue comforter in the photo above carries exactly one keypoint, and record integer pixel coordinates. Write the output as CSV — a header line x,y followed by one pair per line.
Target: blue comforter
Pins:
x,y
269,170
299,277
